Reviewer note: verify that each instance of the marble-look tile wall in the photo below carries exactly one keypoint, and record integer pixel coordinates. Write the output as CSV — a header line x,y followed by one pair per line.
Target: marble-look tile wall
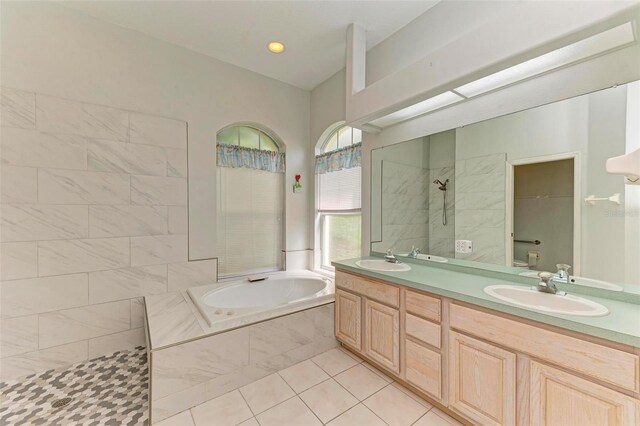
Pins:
x,y
93,217
405,207
441,236
480,207
188,374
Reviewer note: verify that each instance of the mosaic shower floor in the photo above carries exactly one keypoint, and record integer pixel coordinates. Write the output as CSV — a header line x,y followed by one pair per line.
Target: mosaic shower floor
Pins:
x,y
111,390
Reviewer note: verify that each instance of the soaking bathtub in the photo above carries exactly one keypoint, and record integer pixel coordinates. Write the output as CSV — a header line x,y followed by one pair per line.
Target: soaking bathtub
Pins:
x,y
280,293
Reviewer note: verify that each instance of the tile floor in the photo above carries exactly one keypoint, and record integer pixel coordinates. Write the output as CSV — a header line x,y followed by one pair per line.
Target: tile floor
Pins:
x,y
334,388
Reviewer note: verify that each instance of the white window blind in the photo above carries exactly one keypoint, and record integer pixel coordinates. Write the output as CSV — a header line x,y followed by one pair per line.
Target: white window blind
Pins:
x,y
340,190
250,211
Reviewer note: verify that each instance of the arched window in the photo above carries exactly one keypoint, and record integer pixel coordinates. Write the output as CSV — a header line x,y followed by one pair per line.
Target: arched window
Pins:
x,y
247,137
338,188
250,196
342,137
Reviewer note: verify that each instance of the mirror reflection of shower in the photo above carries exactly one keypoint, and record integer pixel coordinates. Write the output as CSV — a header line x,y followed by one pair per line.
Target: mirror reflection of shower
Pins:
x,y
442,186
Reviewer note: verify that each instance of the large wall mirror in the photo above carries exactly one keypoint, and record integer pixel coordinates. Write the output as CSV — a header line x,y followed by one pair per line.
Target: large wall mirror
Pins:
x,y
511,192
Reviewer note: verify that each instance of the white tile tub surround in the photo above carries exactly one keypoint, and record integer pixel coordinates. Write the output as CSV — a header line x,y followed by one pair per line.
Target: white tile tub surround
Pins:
x,y
77,324
33,222
405,207
84,255
154,190
187,374
479,207
19,260
117,157
17,108
93,218
118,221
64,116
33,148
18,185
41,360
80,187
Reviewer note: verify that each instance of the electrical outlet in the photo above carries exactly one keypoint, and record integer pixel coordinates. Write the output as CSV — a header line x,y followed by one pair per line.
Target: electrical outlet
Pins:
x,y
464,246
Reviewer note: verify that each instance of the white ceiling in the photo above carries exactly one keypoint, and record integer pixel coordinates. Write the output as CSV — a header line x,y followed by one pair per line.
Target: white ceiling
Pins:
x,y
237,32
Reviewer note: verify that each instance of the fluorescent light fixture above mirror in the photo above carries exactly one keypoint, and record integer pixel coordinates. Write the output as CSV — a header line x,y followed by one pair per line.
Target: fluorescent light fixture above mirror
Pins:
x,y
591,46
440,101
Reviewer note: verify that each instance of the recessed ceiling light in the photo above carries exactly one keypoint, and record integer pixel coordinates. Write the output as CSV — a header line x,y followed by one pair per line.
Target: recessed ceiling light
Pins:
x,y
276,47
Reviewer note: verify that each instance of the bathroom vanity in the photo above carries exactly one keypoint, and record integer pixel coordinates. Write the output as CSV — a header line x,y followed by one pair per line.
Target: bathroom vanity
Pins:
x,y
490,363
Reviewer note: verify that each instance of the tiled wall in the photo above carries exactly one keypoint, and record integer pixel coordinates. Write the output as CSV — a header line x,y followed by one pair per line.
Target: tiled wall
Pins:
x,y
405,207
441,237
480,206
93,217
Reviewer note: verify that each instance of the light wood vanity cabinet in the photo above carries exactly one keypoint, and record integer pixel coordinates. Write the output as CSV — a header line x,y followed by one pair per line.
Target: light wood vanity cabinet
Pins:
x,y
423,369
369,309
560,398
348,319
482,380
488,368
382,334
422,343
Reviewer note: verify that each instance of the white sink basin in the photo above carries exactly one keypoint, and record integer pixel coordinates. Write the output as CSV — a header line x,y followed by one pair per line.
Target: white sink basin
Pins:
x,y
533,299
382,265
586,282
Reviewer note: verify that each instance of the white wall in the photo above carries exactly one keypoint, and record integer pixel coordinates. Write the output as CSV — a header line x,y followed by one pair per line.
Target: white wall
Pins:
x,y
327,109
78,296
92,61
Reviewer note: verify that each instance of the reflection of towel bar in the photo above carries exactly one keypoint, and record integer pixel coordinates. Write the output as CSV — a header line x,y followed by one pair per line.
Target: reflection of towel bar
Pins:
x,y
536,242
591,199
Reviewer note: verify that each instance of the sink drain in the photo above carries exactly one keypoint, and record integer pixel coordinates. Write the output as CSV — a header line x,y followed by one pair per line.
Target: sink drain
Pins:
x,y
59,403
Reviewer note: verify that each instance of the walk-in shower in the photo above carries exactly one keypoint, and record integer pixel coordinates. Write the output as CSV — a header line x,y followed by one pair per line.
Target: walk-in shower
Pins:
x,y
442,186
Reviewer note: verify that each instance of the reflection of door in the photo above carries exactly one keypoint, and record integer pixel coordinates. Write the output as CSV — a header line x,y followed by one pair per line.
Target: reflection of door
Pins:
x,y
543,214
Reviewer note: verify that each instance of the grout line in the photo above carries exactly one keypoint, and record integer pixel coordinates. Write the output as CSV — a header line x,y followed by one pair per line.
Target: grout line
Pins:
x,y
245,399
191,414
375,414
356,404
309,408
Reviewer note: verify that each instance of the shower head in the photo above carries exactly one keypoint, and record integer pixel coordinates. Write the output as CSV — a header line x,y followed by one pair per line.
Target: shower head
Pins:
x,y
442,185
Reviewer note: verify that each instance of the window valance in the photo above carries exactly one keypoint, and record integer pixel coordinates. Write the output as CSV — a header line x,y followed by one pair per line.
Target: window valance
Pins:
x,y
344,158
238,156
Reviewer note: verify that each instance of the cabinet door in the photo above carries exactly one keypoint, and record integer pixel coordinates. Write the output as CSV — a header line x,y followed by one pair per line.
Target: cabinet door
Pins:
x,y
423,369
482,381
348,319
382,334
560,398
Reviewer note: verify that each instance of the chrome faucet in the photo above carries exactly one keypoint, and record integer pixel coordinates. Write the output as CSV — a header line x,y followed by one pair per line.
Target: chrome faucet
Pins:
x,y
389,257
563,273
415,251
546,284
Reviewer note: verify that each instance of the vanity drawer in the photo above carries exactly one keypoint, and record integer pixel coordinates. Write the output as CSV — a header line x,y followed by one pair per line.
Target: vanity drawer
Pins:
x,y
601,362
422,330
384,293
422,305
423,369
